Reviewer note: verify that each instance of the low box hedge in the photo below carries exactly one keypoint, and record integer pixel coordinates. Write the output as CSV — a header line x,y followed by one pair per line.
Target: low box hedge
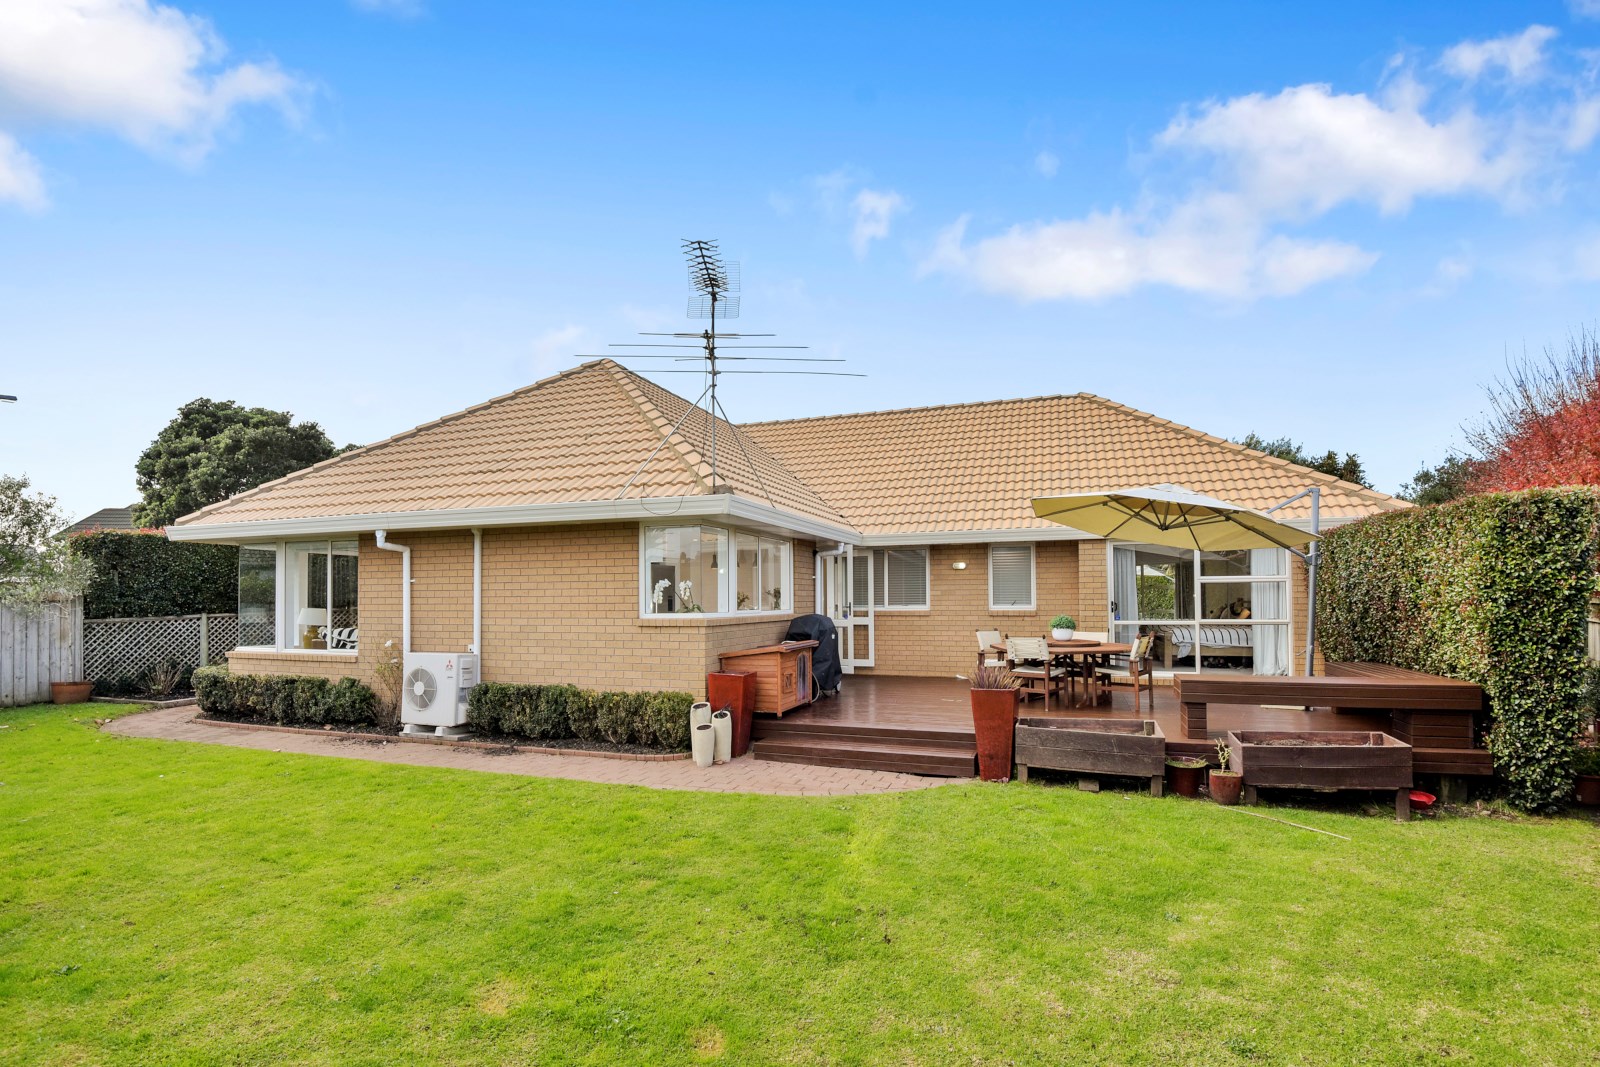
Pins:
x,y
557,712
285,699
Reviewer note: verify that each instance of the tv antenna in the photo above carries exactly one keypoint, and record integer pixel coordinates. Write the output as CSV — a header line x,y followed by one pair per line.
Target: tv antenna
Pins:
x,y
713,294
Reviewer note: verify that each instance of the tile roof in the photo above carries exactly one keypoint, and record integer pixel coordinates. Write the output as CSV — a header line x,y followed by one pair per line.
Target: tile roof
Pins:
x,y
978,466
582,435
578,436
104,519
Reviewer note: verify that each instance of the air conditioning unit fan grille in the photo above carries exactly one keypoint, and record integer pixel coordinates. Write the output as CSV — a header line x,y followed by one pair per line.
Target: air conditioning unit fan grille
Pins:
x,y
422,688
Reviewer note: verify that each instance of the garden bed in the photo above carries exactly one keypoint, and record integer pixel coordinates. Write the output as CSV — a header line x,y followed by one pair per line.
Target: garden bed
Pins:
x,y
1127,748
373,733
1322,760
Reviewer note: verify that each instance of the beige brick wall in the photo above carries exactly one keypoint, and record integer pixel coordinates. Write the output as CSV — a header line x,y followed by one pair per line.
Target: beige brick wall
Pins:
x,y
560,604
942,640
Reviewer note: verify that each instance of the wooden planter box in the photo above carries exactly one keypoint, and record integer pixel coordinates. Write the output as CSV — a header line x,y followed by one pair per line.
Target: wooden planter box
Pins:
x,y
783,673
1323,759
1126,748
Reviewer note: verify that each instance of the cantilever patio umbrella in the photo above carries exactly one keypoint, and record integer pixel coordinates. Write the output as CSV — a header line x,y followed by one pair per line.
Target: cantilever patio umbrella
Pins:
x,y
1180,518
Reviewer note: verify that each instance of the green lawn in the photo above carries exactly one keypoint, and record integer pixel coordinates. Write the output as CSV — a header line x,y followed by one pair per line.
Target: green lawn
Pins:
x,y
176,903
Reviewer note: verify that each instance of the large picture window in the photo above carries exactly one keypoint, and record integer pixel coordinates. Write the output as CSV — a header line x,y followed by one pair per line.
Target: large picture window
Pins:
x,y
258,596
321,595
1208,611
694,570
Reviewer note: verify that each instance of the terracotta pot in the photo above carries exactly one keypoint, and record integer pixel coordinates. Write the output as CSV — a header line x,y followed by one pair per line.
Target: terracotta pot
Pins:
x,y
994,721
1185,781
735,691
1226,786
1587,790
70,692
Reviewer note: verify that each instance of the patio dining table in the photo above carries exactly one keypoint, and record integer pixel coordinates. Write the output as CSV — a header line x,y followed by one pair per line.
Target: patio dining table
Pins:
x,y
1083,654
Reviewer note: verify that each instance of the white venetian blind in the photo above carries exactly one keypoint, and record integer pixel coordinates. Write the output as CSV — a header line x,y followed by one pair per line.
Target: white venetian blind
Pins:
x,y
1010,576
903,577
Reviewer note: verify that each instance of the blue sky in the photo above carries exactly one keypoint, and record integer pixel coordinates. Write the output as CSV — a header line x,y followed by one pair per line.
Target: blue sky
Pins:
x,y
1332,223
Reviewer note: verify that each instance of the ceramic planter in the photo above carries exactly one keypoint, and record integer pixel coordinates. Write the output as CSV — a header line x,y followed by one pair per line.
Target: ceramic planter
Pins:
x,y
699,714
70,692
994,721
721,737
1062,635
703,744
1587,791
1185,781
1226,786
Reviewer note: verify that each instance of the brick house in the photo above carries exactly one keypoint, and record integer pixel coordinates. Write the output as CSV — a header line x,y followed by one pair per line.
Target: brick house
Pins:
x,y
574,531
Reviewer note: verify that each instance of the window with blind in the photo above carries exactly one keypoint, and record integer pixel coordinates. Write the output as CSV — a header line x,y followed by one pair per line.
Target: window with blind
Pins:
x,y
1011,577
898,578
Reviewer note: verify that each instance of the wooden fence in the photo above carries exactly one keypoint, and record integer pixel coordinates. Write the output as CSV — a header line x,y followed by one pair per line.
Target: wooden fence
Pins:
x,y
38,647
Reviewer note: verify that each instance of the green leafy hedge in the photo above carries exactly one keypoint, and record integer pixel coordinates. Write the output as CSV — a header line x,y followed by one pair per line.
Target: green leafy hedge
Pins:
x,y
1494,589
138,574
554,712
286,699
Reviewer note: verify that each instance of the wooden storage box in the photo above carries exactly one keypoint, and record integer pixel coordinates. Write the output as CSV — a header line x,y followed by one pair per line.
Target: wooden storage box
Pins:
x,y
783,673
1129,748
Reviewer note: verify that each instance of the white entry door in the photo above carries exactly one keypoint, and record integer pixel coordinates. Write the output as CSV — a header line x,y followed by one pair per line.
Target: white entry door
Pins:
x,y
846,594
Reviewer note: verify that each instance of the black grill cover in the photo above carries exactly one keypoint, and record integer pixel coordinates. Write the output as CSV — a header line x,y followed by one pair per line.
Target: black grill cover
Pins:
x,y
825,658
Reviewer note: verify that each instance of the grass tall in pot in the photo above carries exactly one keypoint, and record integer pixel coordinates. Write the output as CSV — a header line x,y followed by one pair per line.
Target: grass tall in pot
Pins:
x,y
994,721
1226,783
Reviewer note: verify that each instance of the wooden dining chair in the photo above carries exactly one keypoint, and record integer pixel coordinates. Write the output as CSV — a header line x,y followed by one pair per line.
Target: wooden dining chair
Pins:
x,y
987,656
1141,672
1032,665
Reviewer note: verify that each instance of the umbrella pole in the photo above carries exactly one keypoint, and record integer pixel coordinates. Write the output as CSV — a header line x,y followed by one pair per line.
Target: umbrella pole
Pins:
x,y
1312,555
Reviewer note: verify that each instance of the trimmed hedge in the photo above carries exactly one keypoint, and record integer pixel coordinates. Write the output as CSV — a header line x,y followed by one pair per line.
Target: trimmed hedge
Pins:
x,y
286,699
1494,589
139,573
554,712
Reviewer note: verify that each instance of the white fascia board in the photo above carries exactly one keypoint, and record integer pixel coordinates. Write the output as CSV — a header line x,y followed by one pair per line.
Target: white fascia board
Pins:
x,y
629,510
977,537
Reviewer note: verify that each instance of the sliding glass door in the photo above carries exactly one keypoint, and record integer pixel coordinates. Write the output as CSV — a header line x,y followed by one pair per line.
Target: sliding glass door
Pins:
x,y
1208,611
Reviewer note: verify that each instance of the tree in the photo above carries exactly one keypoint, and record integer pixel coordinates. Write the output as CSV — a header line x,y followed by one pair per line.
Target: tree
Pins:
x,y
35,565
1449,480
214,450
1543,424
1349,468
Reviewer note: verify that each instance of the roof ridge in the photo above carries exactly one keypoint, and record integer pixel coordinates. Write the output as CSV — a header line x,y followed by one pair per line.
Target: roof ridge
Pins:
x,y
664,428
1254,453
925,407
363,450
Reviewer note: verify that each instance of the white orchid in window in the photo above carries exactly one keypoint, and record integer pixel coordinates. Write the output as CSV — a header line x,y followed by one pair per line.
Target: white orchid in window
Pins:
x,y
686,597
659,597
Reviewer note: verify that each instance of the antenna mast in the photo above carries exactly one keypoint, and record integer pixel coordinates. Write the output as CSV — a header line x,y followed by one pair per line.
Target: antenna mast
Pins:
x,y
711,282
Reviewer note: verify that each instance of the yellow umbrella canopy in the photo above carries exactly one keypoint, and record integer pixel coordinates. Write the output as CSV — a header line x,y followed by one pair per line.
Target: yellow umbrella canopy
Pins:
x,y
1171,515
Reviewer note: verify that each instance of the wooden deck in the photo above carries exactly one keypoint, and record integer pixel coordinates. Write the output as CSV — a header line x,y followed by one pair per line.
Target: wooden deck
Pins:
x,y
924,726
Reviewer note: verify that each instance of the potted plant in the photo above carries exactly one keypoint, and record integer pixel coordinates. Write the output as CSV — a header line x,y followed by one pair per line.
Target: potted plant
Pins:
x,y
1062,627
1587,789
1183,774
70,692
1226,784
994,720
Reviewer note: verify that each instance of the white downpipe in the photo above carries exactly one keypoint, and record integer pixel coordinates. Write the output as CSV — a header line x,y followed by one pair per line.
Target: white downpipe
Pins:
x,y
382,537
477,590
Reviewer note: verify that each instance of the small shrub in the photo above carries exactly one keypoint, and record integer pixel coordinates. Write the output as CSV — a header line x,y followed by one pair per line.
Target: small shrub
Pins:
x,y
486,707
554,712
668,716
214,690
551,716
584,714
289,700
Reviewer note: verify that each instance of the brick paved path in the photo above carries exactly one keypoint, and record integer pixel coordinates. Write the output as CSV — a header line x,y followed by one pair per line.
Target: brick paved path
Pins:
x,y
744,775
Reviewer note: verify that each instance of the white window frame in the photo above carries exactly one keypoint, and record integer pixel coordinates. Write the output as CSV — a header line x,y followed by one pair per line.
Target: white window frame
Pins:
x,y
276,548
1033,579
879,583
283,626
727,576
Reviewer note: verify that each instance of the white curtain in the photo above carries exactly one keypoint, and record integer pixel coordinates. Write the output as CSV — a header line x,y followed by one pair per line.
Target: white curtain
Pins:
x,y
1124,585
1269,600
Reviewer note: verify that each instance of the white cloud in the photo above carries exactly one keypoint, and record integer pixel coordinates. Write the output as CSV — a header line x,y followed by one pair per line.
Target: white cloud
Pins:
x,y
146,72
1520,55
402,9
874,210
1047,163
20,181
1584,9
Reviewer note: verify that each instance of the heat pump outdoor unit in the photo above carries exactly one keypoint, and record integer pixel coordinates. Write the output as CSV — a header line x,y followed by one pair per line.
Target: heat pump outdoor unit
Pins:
x,y
433,692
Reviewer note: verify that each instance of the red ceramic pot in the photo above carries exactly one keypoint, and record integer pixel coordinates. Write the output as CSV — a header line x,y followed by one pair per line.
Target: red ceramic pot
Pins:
x,y
70,692
735,691
994,721
1226,786
1185,781
1587,791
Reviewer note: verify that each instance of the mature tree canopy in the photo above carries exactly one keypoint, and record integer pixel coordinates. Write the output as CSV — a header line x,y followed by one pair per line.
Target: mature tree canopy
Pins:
x,y
214,449
1543,426
1449,480
34,564
1349,468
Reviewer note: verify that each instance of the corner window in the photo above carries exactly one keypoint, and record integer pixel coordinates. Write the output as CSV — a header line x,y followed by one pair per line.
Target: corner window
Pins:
x,y
321,595
694,570
1011,577
258,596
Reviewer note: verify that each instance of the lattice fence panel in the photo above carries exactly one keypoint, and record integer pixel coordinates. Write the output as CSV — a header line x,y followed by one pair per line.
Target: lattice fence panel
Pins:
x,y
113,648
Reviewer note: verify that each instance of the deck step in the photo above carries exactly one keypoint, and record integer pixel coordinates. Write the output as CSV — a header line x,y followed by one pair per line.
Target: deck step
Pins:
x,y
904,756
774,729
